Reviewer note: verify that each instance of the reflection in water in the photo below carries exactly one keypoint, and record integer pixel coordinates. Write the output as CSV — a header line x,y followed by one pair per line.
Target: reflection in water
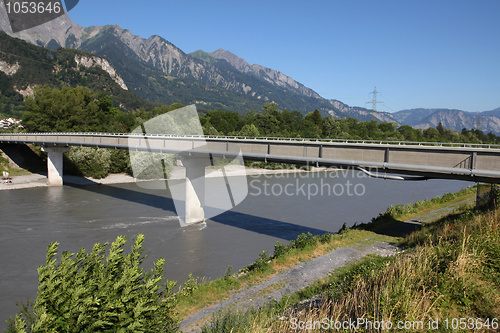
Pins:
x,y
78,217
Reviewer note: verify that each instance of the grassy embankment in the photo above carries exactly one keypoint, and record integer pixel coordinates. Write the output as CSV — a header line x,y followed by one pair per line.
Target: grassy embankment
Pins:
x,y
451,269
194,296
4,166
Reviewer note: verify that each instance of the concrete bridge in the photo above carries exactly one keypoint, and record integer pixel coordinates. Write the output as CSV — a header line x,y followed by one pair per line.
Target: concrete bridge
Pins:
x,y
416,160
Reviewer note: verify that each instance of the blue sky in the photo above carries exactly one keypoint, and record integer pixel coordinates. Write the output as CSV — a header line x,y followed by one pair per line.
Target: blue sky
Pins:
x,y
431,54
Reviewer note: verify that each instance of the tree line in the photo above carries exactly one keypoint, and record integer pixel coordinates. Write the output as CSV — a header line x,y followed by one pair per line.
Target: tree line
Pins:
x,y
82,110
272,122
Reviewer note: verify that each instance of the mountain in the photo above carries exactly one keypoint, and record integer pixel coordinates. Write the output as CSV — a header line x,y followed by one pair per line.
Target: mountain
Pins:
x,y
495,113
158,71
24,66
452,119
413,116
362,114
267,74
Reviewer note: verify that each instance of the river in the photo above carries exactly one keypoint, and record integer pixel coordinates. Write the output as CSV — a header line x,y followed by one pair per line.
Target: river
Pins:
x,y
278,208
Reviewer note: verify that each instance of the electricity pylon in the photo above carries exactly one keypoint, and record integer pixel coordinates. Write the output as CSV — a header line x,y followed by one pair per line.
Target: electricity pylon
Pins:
x,y
374,100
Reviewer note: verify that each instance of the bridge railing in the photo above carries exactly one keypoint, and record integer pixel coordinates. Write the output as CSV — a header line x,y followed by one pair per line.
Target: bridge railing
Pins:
x,y
277,139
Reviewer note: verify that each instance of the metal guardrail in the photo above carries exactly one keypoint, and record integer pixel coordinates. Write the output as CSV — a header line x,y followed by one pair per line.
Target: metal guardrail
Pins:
x,y
277,139
464,161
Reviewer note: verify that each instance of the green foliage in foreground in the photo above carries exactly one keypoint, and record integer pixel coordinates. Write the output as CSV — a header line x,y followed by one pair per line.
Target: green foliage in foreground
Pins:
x,y
98,293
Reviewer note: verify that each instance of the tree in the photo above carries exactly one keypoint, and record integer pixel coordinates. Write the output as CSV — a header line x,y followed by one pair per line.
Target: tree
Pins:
x,y
297,116
315,117
250,116
70,110
224,122
270,109
431,134
440,128
249,130
331,128
97,293
409,133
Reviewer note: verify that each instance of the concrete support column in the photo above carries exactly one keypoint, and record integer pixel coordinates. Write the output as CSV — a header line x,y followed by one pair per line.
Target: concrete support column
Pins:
x,y
55,164
195,188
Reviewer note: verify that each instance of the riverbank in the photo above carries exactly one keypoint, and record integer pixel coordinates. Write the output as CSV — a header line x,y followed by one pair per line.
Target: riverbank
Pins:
x,y
298,283
40,179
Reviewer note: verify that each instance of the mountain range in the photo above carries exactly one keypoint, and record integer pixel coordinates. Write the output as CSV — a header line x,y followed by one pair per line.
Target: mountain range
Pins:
x,y
159,72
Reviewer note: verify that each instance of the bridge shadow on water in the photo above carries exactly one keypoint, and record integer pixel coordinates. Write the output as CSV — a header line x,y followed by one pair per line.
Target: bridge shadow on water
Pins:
x,y
261,225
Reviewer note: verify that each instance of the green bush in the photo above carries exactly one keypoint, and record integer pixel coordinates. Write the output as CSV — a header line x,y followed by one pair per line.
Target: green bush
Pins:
x,y
94,293
303,240
91,162
261,264
147,165
120,161
279,249
190,286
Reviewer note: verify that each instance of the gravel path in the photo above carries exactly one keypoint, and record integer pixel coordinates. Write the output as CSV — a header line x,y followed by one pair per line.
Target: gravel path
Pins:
x,y
434,215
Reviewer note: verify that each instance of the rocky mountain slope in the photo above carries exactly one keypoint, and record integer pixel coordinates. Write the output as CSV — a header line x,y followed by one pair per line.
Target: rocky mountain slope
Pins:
x,y
157,70
363,114
24,66
267,74
452,119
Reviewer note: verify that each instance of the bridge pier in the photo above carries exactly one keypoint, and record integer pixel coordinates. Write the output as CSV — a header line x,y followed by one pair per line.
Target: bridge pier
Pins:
x,y
195,188
55,164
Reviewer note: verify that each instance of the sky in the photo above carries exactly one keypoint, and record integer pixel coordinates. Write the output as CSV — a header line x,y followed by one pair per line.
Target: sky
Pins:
x,y
418,54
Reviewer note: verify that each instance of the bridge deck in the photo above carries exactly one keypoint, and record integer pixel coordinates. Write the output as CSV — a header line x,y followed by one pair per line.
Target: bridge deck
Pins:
x,y
434,160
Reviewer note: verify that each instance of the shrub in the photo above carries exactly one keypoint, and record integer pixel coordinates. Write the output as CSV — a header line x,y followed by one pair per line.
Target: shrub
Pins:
x,y
261,264
190,286
279,250
326,237
91,162
120,161
94,293
303,240
147,165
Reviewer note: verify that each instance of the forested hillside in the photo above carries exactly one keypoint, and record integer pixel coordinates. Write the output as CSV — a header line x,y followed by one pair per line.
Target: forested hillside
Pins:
x,y
24,66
